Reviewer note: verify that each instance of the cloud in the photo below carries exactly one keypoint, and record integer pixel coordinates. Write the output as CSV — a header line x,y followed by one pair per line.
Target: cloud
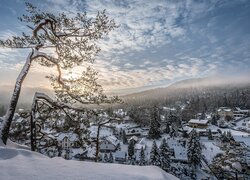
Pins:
x,y
159,42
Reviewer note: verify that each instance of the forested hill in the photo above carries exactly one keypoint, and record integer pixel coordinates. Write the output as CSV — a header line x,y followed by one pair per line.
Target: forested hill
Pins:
x,y
216,91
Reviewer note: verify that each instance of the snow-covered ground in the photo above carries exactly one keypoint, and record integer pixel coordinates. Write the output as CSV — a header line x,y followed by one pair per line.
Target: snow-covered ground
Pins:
x,y
23,164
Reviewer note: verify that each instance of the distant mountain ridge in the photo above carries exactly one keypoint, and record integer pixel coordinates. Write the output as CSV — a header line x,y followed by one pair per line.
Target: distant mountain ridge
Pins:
x,y
195,84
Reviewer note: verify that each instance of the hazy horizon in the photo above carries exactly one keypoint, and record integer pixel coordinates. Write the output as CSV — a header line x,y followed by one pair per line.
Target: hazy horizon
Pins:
x,y
27,93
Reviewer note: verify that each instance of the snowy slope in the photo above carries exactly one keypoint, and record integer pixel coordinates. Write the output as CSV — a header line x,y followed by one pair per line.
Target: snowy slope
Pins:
x,y
23,164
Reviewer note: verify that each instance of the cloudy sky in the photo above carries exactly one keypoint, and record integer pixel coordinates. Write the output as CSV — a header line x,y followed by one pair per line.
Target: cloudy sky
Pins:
x,y
158,41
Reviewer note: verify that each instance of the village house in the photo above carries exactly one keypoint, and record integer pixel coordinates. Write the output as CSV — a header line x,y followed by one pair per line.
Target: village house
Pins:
x,y
225,113
134,139
109,144
240,113
198,123
133,132
127,119
67,140
120,113
178,150
104,132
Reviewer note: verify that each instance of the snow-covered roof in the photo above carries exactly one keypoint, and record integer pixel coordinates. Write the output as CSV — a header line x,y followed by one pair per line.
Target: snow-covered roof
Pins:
x,y
244,139
224,109
241,110
135,138
20,110
72,136
198,121
126,118
180,152
138,146
19,120
112,139
237,166
104,132
142,141
168,109
133,131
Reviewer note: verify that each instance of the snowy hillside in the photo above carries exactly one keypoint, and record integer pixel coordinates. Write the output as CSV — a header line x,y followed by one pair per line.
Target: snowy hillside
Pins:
x,y
23,164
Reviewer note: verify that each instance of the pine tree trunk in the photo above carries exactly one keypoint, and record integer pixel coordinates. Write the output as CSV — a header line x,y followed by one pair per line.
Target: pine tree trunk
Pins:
x,y
33,125
14,99
97,144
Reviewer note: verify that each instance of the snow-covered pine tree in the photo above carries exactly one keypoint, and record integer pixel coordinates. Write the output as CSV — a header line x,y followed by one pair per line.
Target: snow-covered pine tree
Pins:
x,y
124,137
154,131
203,115
194,149
224,138
142,161
154,155
214,120
210,135
167,129
105,159
229,136
173,131
221,123
164,155
131,149
73,41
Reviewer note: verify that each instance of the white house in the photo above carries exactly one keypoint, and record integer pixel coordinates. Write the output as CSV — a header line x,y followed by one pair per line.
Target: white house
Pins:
x,y
66,140
225,112
109,143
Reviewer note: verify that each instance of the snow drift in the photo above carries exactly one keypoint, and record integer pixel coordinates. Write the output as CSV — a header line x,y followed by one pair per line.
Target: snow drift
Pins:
x,y
17,162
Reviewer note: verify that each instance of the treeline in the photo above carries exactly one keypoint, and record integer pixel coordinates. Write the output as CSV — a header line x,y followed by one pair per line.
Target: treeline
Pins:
x,y
189,101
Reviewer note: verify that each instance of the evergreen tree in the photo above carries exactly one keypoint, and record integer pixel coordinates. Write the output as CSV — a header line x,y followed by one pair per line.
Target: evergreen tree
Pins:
x,y
173,131
167,129
111,158
105,159
154,155
154,131
224,138
214,120
210,136
229,136
194,149
175,119
203,115
164,156
124,137
131,149
142,161
221,123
